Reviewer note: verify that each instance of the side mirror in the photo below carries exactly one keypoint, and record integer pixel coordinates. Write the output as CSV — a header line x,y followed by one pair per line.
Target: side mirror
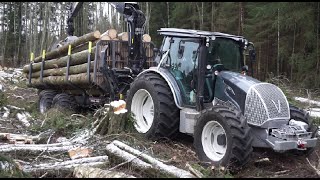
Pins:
x,y
252,55
252,52
156,51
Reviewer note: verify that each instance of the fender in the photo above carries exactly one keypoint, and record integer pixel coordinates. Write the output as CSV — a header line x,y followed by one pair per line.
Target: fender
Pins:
x,y
170,81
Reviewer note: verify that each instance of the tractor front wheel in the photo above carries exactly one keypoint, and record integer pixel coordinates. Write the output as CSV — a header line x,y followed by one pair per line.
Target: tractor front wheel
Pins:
x,y
300,115
222,137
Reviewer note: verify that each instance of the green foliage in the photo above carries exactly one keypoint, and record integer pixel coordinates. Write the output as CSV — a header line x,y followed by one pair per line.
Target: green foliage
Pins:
x,y
61,122
3,99
11,169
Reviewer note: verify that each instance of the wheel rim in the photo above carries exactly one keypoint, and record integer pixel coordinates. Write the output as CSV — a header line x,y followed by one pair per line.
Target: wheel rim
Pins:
x,y
214,141
143,109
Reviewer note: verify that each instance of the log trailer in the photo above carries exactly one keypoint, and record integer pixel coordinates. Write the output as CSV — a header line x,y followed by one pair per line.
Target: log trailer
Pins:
x,y
195,84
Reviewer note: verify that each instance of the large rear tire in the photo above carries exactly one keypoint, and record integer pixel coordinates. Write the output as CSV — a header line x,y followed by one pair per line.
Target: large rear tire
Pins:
x,y
46,100
151,102
301,115
65,101
222,137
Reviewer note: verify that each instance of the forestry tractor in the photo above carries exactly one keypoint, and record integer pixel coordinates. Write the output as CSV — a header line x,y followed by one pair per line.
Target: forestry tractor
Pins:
x,y
197,83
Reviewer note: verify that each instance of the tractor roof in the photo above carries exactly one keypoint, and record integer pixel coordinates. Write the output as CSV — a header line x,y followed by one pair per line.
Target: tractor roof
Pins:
x,y
196,33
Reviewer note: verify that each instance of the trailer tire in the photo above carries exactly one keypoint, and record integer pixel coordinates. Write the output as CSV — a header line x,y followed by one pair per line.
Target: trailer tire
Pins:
x,y
222,137
46,100
151,102
300,115
64,101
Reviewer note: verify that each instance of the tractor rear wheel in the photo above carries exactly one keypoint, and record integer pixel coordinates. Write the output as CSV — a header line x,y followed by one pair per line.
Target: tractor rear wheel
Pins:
x,y
300,115
222,137
45,100
64,101
151,102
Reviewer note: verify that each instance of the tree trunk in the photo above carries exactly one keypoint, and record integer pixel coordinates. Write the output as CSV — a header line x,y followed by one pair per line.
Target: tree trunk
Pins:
x,y
240,31
292,56
62,51
76,58
4,36
212,16
168,15
19,27
318,56
201,26
278,51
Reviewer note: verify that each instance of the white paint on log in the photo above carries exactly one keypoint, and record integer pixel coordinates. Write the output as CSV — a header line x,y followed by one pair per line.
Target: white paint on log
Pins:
x,y
167,168
90,161
91,172
127,156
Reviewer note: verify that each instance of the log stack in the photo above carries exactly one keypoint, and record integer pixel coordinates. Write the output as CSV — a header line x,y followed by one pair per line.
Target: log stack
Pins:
x,y
54,63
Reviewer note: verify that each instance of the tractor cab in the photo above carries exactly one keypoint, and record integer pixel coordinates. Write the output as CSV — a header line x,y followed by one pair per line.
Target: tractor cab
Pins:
x,y
180,54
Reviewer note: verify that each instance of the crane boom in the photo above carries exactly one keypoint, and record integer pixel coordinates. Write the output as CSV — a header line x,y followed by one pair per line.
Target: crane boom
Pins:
x,y
135,19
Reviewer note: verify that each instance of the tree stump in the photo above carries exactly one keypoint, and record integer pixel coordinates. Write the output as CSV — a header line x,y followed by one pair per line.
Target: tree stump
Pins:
x,y
114,119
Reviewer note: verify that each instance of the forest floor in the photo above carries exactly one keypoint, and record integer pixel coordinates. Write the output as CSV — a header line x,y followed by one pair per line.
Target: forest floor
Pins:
x,y
263,163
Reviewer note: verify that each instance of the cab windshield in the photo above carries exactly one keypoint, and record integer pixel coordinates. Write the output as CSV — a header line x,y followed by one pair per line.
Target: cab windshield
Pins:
x,y
225,51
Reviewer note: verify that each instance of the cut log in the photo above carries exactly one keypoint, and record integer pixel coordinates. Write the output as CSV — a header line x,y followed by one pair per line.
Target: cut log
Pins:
x,y
77,69
99,160
132,159
9,136
105,37
79,152
35,147
61,80
77,58
62,51
91,172
155,163
123,36
146,38
83,47
112,33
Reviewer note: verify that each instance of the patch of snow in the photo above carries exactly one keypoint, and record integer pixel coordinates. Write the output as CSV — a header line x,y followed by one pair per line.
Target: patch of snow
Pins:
x,y
23,117
6,114
305,100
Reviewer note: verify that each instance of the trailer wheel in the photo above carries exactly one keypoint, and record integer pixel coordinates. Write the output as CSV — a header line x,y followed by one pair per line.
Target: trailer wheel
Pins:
x,y
300,115
222,137
151,102
64,102
45,100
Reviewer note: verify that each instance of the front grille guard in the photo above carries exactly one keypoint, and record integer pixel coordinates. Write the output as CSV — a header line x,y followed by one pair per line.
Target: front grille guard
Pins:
x,y
265,102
